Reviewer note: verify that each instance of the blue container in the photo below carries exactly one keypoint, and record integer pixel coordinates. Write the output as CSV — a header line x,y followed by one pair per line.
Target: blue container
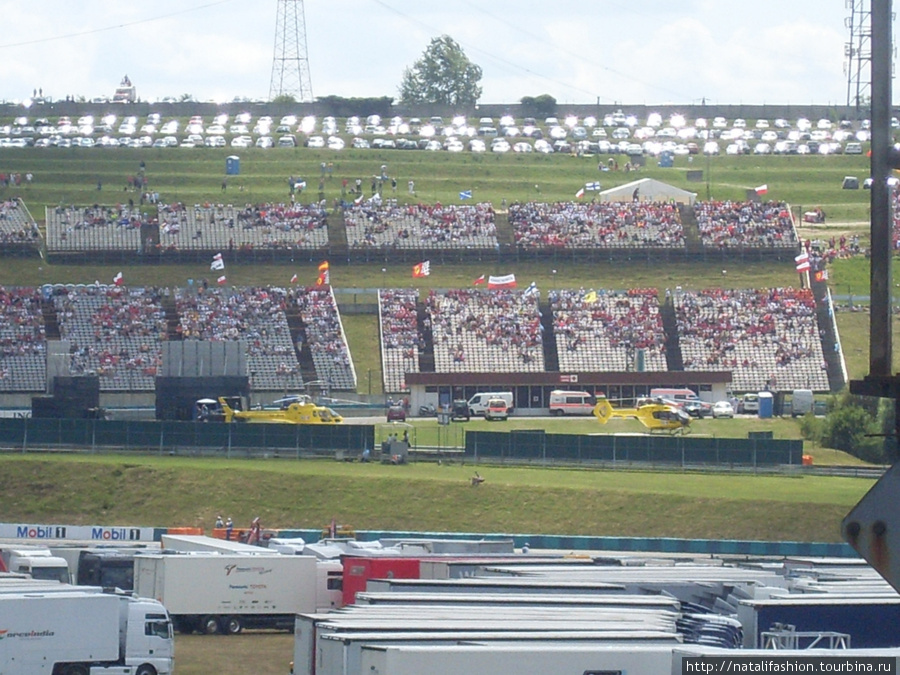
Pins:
x,y
766,404
232,165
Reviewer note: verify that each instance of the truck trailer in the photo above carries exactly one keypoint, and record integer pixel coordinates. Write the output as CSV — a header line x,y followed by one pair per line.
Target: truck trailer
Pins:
x,y
83,632
225,593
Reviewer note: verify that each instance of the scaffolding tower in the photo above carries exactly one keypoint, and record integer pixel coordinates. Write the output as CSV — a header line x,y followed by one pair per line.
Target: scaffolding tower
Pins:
x,y
858,54
290,65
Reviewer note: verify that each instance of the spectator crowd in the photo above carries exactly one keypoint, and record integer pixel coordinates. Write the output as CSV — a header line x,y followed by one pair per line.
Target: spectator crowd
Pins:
x,y
735,224
420,226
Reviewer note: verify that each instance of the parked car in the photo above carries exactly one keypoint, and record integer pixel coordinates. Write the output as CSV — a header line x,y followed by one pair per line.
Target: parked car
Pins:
x,y
722,409
496,410
396,413
460,410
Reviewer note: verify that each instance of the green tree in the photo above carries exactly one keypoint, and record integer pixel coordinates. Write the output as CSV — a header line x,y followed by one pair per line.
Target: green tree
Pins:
x,y
284,98
444,76
538,106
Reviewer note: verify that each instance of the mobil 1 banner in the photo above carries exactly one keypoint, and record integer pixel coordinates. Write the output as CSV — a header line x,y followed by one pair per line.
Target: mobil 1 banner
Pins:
x,y
99,533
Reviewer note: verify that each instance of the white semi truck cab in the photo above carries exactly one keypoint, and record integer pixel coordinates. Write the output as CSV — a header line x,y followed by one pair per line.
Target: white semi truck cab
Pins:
x,y
84,632
38,562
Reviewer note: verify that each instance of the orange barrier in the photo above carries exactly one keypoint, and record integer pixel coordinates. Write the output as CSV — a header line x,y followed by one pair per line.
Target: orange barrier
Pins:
x,y
807,460
185,530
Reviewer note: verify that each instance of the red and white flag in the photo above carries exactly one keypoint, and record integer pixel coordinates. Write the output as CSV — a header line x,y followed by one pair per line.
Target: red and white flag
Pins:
x,y
761,189
802,262
505,281
423,269
221,280
217,262
479,280
579,194
118,280
294,279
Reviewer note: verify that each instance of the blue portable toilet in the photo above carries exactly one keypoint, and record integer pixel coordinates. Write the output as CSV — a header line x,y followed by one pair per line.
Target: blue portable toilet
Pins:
x,y
666,159
766,404
232,165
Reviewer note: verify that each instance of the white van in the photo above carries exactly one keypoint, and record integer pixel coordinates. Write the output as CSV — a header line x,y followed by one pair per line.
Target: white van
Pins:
x,y
479,402
571,402
802,402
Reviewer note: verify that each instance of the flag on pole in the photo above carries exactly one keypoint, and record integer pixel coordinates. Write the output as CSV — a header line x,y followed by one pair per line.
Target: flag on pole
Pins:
x,y
505,281
531,290
802,262
761,189
221,280
294,279
359,200
590,297
117,280
593,187
324,278
579,194
423,269
821,275
479,280
465,194
217,262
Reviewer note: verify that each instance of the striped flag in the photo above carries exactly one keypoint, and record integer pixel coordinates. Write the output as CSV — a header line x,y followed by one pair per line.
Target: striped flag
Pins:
x,y
505,281
118,280
221,280
802,262
479,280
761,189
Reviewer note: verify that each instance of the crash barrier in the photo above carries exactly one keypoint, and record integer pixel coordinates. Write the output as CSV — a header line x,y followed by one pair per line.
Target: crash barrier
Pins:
x,y
530,446
194,438
563,542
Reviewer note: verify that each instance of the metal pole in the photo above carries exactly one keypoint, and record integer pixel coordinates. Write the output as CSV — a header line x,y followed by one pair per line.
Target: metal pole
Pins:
x,y
880,329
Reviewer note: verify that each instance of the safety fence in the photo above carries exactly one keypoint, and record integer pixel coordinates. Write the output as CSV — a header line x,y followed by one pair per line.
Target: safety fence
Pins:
x,y
537,446
191,438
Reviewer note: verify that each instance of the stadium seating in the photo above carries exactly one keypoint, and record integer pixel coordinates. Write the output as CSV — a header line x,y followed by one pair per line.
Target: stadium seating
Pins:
x,y
604,331
16,225
325,336
93,228
114,332
23,344
607,225
420,226
730,225
489,331
766,337
400,339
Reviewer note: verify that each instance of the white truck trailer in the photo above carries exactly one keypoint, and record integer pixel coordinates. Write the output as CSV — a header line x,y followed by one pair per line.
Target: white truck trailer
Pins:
x,y
80,632
36,561
225,593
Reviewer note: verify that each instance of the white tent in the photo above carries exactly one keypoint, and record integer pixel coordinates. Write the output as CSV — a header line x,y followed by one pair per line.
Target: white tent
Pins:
x,y
647,189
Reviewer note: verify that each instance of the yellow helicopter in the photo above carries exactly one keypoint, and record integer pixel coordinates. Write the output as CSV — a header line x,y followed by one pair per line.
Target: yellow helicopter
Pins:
x,y
299,409
653,414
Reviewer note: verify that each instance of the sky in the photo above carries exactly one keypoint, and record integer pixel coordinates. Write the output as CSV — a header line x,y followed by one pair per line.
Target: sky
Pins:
x,y
590,51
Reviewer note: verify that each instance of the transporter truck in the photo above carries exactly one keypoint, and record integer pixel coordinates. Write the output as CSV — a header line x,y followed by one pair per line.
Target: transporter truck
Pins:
x,y
83,632
225,593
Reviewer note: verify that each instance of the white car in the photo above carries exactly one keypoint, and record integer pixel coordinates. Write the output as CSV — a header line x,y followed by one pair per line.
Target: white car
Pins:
x,y
722,409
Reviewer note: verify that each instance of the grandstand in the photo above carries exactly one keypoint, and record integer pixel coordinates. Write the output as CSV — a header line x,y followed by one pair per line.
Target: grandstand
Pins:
x,y
325,338
23,342
768,338
18,231
112,332
393,232
609,225
255,315
761,338
486,331
605,331
400,339
254,226
729,225
420,226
